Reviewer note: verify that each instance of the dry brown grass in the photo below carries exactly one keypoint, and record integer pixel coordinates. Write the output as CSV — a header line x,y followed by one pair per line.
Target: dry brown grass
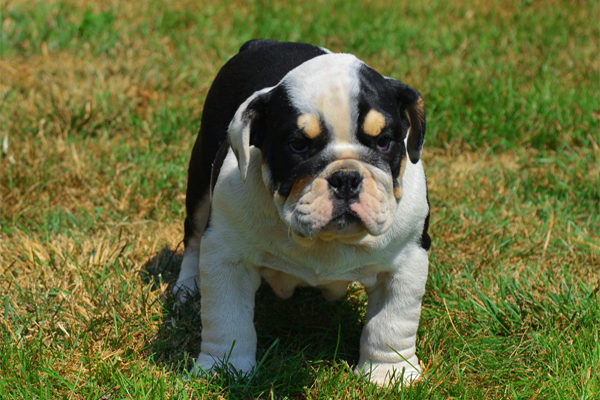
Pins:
x,y
474,182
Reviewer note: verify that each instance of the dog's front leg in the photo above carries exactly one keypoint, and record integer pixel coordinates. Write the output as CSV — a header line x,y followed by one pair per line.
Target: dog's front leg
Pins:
x,y
227,309
387,344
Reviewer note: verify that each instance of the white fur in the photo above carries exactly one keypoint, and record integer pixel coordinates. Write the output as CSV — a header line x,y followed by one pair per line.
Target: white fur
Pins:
x,y
247,238
327,86
239,134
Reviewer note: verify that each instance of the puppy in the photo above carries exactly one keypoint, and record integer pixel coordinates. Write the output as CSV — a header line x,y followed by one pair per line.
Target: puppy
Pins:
x,y
306,172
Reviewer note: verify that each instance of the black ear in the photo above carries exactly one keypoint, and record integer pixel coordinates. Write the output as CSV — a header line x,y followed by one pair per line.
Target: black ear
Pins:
x,y
411,102
240,128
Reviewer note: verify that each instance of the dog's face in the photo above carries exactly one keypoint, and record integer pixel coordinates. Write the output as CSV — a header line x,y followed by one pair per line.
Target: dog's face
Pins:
x,y
332,135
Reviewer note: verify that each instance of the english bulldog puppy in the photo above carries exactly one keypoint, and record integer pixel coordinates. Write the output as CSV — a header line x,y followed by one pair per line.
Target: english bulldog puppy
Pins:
x,y
306,172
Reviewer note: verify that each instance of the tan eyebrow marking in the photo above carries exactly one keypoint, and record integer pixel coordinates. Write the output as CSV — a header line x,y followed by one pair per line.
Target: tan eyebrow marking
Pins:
x,y
310,124
374,123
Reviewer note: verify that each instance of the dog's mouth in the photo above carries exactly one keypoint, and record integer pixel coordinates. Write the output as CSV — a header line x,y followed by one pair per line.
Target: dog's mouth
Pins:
x,y
345,219
345,224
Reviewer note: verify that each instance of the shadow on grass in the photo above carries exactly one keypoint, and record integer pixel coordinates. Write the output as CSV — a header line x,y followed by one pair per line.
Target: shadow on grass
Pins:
x,y
294,335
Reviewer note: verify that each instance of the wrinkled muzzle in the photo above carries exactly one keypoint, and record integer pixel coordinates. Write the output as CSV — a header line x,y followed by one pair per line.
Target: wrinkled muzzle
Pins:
x,y
349,198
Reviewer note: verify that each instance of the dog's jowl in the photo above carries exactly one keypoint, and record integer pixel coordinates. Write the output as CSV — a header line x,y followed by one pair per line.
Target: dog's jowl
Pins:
x,y
307,172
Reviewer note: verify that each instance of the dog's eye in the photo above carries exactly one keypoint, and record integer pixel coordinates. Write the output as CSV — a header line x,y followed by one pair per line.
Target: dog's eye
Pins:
x,y
383,143
298,146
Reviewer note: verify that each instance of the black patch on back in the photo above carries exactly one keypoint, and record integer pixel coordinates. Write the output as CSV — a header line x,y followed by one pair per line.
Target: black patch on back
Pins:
x,y
256,43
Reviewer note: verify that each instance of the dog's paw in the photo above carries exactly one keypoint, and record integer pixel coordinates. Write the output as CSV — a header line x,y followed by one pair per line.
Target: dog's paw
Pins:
x,y
208,365
384,374
186,287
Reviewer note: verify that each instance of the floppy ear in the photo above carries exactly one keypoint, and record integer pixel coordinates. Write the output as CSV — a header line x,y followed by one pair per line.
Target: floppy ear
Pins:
x,y
240,128
411,101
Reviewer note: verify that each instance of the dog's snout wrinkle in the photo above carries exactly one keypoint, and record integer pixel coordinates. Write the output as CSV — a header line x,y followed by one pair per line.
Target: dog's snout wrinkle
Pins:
x,y
345,184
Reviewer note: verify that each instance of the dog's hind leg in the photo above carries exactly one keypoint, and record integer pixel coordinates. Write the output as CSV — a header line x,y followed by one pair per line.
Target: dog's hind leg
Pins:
x,y
189,276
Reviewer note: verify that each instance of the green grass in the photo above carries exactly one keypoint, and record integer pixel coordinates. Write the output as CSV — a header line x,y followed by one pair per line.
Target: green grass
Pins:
x,y
99,106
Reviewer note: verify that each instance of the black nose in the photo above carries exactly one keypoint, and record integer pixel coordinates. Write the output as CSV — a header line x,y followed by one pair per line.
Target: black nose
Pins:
x,y
345,184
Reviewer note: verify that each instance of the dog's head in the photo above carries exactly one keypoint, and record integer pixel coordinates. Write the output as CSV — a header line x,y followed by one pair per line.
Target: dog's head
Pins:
x,y
332,136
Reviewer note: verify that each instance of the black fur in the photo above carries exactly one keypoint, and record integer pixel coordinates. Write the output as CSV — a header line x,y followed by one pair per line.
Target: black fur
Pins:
x,y
410,103
425,239
379,93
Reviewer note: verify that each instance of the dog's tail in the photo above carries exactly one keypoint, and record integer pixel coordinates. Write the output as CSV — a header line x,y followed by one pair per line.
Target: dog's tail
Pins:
x,y
256,43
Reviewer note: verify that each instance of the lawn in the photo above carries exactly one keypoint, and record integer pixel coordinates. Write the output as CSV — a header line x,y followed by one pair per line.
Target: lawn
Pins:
x,y
100,103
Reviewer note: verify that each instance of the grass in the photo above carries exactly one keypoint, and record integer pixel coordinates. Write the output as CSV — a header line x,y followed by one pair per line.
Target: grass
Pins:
x,y
99,106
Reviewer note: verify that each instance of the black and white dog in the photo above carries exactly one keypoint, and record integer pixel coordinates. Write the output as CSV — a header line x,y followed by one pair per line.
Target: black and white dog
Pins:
x,y
306,172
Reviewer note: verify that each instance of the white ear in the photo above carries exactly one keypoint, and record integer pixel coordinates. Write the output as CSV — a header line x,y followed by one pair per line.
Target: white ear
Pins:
x,y
240,126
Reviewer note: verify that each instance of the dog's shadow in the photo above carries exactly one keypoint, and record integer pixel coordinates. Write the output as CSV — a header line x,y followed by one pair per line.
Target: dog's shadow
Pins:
x,y
292,334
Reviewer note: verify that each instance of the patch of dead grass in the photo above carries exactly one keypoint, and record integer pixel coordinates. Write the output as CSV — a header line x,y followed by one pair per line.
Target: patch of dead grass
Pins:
x,y
52,284
476,183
